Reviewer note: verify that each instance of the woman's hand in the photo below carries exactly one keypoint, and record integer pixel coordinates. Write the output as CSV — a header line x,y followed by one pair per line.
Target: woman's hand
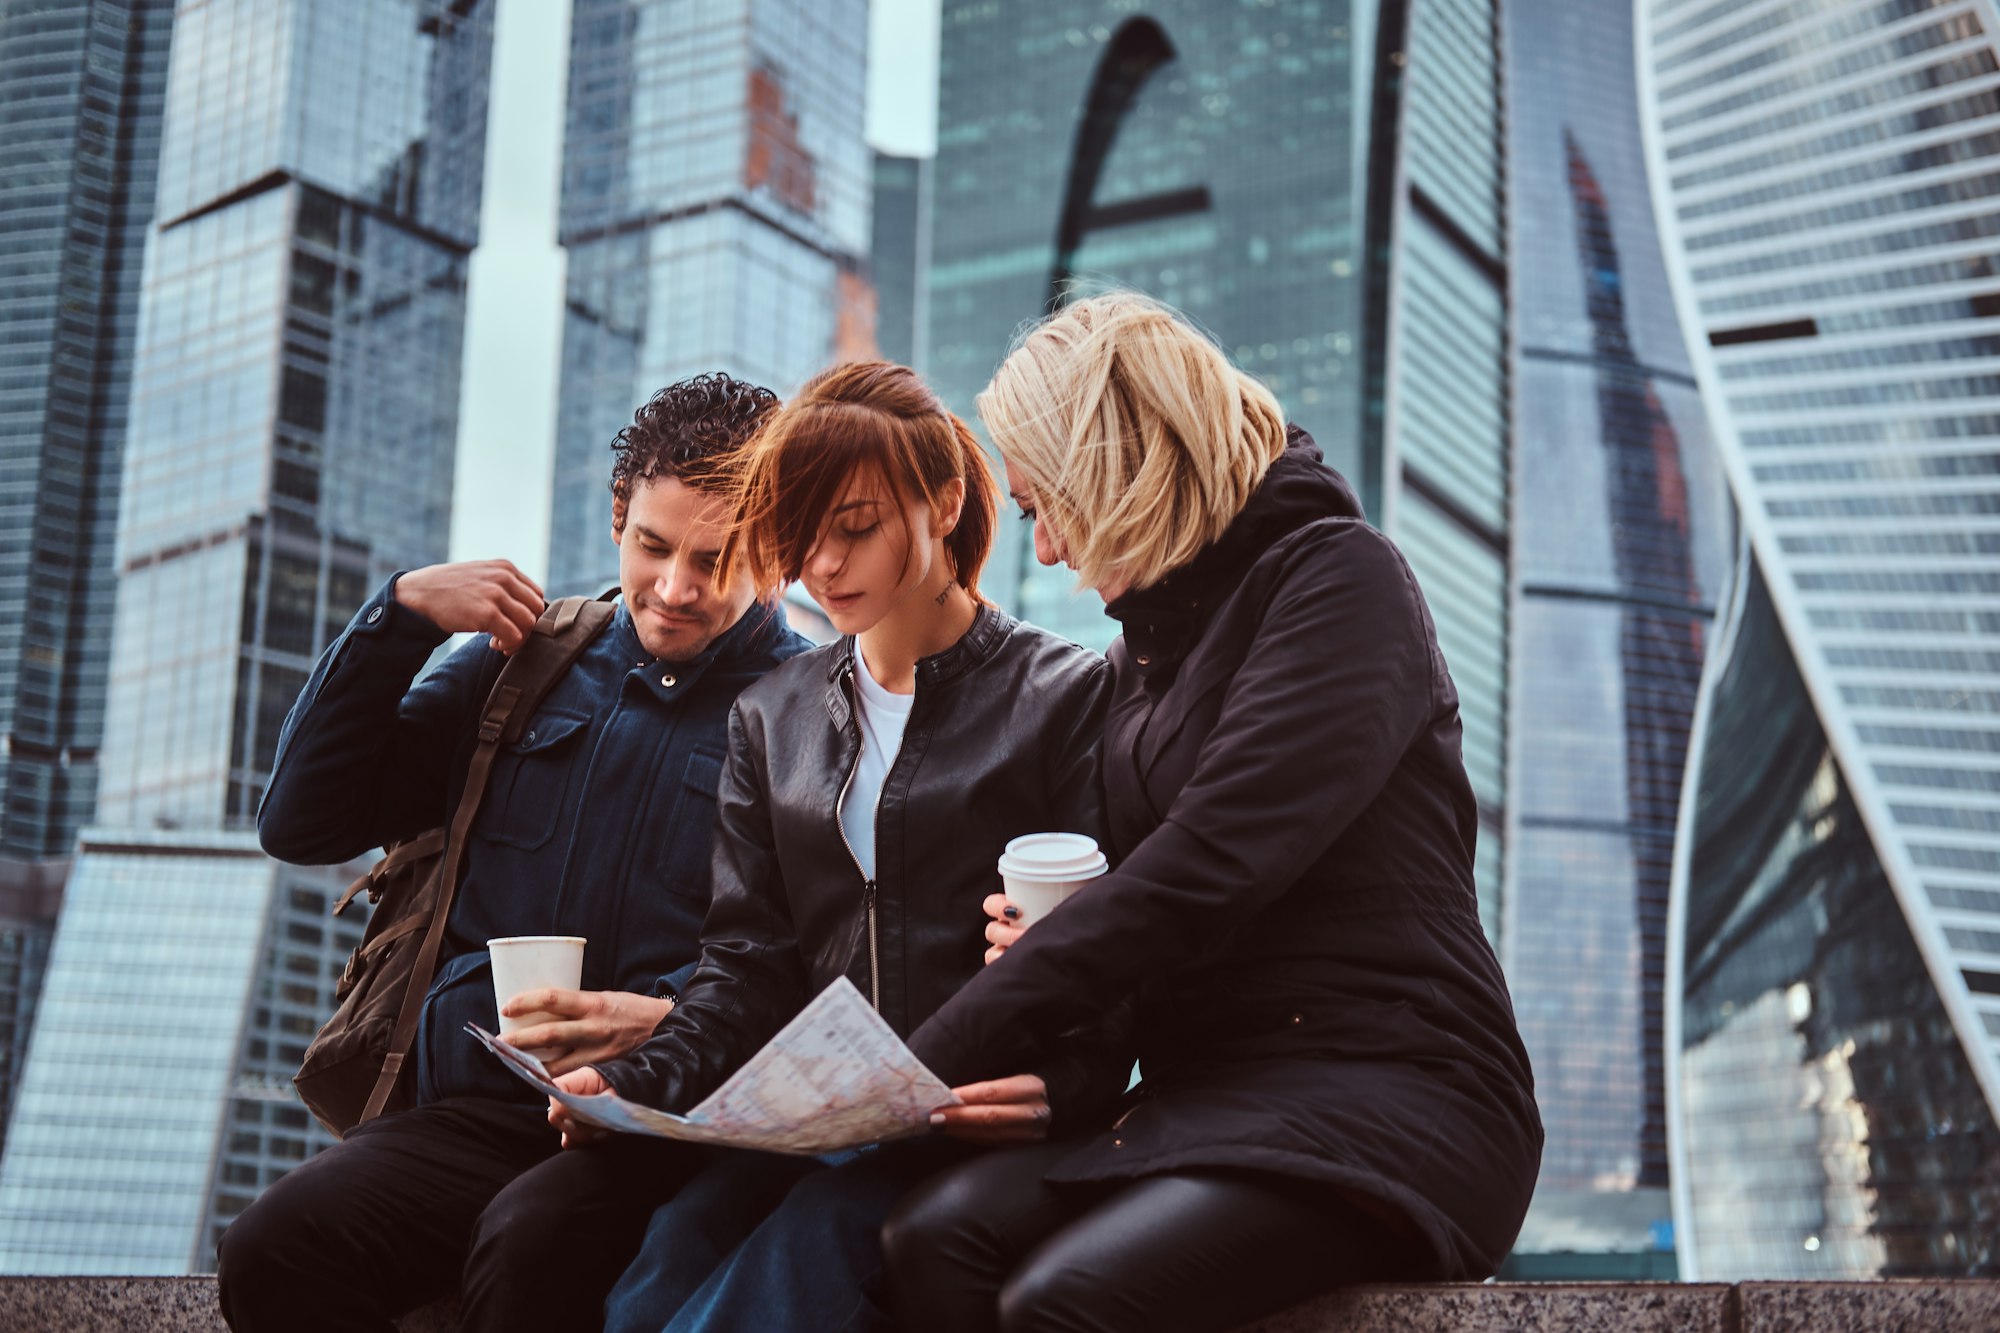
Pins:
x,y
585,1082
1003,1110
1004,930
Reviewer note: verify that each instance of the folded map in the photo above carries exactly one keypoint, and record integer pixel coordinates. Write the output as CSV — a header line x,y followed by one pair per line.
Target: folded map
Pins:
x,y
836,1076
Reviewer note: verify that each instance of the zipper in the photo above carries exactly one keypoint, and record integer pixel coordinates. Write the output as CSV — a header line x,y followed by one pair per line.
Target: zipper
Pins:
x,y
868,884
874,955
867,880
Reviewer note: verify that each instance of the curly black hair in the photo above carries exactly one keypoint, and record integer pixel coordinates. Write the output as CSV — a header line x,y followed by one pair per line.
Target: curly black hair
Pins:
x,y
685,431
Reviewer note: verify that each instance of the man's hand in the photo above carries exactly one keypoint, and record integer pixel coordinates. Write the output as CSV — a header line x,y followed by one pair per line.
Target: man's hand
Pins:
x,y
488,597
584,1083
1004,1110
591,1025
1004,929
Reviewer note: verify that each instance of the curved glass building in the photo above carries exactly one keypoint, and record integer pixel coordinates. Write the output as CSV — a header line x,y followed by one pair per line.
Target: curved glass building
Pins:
x,y
1827,176
1624,538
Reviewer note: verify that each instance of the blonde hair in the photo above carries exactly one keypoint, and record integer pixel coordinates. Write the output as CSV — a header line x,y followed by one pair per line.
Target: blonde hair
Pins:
x,y
1141,441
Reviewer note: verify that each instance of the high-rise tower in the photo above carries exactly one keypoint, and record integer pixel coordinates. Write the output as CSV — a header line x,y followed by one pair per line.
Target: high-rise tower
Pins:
x,y
898,255
1316,184
294,409
1827,176
1435,411
82,84
1623,540
715,207
297,374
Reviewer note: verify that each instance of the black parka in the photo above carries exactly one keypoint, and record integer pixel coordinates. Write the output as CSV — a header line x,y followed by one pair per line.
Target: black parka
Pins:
x,y
1294,906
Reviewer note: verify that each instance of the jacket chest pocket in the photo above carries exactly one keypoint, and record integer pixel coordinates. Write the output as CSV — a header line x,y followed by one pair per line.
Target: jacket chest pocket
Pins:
x,y
530,782
691,828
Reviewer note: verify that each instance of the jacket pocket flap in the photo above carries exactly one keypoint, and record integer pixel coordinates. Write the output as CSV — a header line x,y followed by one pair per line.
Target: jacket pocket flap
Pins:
x,y
703,772
548,730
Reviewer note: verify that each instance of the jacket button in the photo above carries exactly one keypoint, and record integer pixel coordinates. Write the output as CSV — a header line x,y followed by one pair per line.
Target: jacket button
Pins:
x,y
374,615
528,739
667,681
1144,660
1298,1020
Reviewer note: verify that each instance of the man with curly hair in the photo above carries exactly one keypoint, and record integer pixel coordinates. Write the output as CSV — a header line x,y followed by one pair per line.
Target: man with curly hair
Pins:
x,y
597,823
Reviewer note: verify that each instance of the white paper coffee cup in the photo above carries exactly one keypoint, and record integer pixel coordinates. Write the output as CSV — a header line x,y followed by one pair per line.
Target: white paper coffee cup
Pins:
x,y
530,962
1040,870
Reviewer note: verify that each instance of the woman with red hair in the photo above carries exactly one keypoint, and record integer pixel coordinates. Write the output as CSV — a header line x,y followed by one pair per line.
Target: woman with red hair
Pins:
x,y
870,787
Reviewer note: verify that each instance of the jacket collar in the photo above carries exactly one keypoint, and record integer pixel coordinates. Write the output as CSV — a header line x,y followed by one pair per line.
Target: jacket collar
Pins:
x,y
758,632
990,626
1162,621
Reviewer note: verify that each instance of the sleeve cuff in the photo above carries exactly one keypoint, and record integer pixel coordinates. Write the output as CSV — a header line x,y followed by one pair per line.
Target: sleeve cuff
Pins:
x,y
383,617
626,1079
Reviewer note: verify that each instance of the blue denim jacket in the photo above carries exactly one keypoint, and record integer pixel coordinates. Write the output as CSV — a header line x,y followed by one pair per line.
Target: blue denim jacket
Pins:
x,y
597,823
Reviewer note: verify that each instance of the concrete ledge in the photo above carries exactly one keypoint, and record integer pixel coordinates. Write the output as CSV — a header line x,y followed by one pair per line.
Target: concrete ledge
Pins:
x,y
187,1305
1549,1307
143,1305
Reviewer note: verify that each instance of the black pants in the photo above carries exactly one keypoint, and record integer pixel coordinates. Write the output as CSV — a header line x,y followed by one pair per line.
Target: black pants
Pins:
x,y
988,1245
465,1196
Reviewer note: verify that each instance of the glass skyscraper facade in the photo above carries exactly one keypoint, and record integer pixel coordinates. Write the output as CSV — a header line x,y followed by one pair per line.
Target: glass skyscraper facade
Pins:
x,y
1621,554
899,255
1435,414
294,406
30,899
1211,155
186,975
82,84
1827,175
715,209
297,372
1833,1122
1318,184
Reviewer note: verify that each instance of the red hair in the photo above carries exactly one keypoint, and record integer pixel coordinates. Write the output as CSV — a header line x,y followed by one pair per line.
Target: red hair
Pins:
x,y
864,414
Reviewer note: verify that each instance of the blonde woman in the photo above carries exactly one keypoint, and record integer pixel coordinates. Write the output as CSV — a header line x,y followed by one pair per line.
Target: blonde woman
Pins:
x,y
1334,1090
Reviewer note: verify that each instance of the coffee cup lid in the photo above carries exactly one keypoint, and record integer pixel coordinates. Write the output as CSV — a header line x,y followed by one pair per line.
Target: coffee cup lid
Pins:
x,y
1053,856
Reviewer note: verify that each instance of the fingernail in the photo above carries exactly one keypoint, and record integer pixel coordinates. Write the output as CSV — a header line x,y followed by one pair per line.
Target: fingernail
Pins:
x,y
937,1118
1011,913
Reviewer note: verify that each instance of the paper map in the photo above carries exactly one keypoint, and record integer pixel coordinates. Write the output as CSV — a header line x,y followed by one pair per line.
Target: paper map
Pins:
x,y
837,1076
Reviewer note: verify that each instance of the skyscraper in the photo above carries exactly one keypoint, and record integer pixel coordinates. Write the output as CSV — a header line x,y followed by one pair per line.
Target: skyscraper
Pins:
x,y
899,255
297,373
715,207
1318,185
187,975
1826,177
82,84
1435,409
1623,541
1213,156
30,898
295,399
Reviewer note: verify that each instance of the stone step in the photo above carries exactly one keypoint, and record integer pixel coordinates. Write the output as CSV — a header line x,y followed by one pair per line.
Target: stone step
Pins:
x,y
187,1305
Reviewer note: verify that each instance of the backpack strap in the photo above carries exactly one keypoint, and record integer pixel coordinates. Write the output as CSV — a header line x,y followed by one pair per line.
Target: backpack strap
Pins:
x,y
564,630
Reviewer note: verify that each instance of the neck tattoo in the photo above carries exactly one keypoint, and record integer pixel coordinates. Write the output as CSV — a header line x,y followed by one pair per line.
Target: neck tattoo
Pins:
x,y
949,584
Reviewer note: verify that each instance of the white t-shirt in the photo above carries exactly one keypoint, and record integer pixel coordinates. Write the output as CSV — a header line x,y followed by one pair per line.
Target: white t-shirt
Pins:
x,y
883,716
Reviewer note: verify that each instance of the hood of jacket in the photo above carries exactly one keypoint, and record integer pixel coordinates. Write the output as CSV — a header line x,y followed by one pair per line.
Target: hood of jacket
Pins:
x,y
1161,621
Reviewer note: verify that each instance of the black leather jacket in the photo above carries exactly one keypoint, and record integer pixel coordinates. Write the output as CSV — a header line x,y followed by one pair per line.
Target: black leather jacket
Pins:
x,y
1002,739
